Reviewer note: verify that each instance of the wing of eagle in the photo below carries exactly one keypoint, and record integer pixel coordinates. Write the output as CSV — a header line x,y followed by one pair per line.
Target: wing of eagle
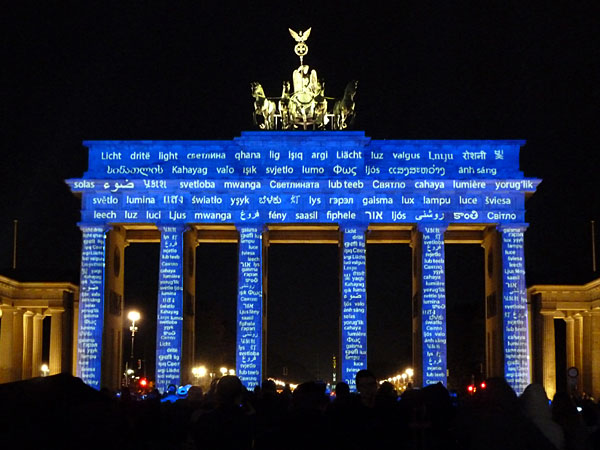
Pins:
x,y
301,36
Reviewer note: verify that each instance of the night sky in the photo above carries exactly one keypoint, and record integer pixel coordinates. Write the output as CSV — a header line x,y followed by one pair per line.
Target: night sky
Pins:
x,y
485,70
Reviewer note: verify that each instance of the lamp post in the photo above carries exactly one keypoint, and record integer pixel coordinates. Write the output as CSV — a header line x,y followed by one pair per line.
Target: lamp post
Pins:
x,y
134,316
199,372
45,370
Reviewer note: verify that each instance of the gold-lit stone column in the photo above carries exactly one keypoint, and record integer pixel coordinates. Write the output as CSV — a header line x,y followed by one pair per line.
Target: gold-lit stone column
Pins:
x,y
56,340
549,358
591,353
27,344
37,340
6,345
17,354
570,341
578,338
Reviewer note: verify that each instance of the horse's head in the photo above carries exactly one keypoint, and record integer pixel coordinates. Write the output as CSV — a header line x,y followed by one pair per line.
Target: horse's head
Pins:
x,y
351,88
257,89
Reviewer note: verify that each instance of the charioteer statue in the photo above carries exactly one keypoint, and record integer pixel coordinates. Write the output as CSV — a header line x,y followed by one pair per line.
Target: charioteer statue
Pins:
x,y
303,104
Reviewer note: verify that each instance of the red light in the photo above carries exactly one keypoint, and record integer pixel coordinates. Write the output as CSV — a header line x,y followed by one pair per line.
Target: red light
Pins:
x,y
471,388
143,382
483,385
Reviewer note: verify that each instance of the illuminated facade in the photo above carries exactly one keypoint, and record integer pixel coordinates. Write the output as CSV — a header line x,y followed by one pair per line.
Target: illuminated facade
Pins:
x,y
23,306
579,307
265,188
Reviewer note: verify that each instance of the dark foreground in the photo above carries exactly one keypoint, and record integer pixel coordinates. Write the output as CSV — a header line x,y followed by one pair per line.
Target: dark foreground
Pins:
x,y
61,412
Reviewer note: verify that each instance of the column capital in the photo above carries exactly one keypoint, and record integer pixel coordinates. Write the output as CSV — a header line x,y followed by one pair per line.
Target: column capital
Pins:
x,y
83,226
261,226
353,225
172,228
512,227
421,226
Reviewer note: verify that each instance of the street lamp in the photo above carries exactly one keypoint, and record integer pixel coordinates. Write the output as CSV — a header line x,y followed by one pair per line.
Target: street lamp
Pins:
x,y
199,372
45,370
223,371
134,316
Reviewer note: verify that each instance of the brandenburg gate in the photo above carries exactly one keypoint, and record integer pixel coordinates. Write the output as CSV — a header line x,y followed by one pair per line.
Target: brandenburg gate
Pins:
x,y
301,186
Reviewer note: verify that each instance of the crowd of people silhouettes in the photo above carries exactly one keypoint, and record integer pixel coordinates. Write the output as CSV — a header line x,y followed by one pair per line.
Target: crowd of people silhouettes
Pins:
x,y
62,412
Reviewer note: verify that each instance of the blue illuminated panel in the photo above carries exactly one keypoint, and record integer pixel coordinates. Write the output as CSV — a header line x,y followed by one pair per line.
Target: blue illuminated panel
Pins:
x,y
91,306
249,307
354,304
339,178
434,306
304,177
170,308
514,306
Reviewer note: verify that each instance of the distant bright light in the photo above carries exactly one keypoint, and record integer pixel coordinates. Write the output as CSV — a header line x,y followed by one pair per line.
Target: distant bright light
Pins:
x,y
410,372
223,370
199,371
134,316
231,371
45,369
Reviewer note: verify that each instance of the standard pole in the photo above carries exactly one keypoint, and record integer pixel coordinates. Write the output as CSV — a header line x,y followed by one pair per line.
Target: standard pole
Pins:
x,y
16,226
593,223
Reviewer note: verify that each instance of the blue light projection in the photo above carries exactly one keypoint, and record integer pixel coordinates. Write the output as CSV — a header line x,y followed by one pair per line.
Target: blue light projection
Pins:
x,y
91,305
434,305
342,178
170,308
354,304
249,308
514,307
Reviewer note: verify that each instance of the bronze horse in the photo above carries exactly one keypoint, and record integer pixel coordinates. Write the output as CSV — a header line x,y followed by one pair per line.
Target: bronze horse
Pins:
x,y
343,110
263,107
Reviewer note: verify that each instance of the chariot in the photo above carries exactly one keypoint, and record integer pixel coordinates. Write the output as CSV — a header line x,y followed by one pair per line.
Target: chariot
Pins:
x,y
303,104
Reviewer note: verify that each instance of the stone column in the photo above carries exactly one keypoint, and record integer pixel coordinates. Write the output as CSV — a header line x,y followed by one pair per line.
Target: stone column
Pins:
x,y
433,309
190,242
494,354
75,327
416,245
17,344
27,344
570,341
7,369
249,307
56,340
114,291
514,308
354,303
170,308
578,346
591,353
91,305
37,338
549,354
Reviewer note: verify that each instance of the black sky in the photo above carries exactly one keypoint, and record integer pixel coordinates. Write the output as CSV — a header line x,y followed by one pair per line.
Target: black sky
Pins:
x,y
144,70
